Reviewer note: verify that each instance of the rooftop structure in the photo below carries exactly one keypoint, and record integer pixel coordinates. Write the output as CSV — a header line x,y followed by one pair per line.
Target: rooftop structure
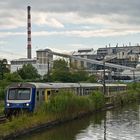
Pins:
x,y
18,64
84,53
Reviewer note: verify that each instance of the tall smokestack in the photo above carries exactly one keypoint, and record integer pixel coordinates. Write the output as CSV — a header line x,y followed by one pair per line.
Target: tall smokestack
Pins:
x,y
29,33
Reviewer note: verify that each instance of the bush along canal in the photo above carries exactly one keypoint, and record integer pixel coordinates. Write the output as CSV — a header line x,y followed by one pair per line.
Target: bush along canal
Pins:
x,y
64,107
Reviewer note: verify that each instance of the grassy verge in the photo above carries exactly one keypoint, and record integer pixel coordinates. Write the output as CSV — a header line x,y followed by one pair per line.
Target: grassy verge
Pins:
x,y
1,107
64,105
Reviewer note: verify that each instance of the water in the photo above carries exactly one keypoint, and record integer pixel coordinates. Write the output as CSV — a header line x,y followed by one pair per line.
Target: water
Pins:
x,y
117,124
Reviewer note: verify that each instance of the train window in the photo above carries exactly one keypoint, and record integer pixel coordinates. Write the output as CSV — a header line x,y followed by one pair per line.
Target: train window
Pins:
x,y
43,93
19,94
48,92
37,96
56,91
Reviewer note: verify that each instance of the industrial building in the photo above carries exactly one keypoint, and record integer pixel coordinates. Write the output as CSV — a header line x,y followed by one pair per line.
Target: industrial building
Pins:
x,y
84,53
43,60
124,55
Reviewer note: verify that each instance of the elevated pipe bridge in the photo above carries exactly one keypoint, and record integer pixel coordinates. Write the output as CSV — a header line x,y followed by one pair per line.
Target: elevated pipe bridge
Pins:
x,y
93,61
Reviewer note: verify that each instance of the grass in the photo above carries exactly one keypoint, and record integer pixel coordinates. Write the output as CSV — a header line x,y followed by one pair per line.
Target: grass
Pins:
x,y
1,107
63,105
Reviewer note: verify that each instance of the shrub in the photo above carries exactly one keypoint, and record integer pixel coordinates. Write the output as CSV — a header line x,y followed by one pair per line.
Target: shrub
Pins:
x,y
97,99
68,102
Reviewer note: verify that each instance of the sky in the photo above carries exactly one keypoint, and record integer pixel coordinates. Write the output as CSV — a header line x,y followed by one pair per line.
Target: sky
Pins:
x,y
67,25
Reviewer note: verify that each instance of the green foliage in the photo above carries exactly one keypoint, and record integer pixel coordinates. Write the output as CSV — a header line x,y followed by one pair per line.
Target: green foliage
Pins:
x,y
61,72
3,68
61,75
97,99
66,101
3,85
92,79
28,72
1,107
13,77
79,75
60,64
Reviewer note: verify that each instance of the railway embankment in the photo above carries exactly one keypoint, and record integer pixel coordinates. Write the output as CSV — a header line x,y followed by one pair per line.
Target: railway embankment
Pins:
x,y
65,107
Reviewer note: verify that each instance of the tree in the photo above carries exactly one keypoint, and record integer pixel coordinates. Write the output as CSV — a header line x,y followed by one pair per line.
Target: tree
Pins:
x,y
28,72
79,75
13,77
92,79
60,71
3,68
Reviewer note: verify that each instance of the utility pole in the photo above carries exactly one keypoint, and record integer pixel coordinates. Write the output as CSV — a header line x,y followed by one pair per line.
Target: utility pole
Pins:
x,y
133,75
48,74
104,86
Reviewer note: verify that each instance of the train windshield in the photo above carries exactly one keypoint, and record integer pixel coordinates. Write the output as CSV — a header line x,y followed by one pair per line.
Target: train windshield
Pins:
x,y
19,94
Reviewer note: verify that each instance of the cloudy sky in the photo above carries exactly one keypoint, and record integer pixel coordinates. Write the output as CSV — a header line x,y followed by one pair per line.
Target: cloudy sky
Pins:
x,y
67,25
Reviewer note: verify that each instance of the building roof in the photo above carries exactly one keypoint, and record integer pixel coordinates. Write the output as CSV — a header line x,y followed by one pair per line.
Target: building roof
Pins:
x,y
89,51
24,59
43,50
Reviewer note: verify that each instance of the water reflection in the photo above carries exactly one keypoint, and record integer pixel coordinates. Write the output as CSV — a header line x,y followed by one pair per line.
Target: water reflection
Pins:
x,y
117,124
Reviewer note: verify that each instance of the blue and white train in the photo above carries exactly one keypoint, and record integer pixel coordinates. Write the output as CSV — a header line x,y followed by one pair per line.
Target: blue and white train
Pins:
x,y
28,96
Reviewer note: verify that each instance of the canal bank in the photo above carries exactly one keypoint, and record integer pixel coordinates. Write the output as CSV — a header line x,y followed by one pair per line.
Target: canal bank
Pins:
x,y
121,123
26,124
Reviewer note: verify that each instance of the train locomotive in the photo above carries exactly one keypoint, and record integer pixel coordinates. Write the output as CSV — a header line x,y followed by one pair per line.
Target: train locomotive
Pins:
x,y
28,96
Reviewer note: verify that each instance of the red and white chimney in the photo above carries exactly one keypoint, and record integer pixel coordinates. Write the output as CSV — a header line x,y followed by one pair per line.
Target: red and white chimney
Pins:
x,y
29,56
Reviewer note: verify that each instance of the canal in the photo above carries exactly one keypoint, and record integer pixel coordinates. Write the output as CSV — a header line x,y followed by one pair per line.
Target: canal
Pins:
x,y
116,124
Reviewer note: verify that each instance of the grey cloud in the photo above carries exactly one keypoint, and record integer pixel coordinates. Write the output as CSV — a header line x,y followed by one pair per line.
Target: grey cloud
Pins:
x,y
129,9
80,6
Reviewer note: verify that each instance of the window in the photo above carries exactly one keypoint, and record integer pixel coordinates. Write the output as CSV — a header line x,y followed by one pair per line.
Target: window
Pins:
x,y
43,93
37,96
48,92
19,94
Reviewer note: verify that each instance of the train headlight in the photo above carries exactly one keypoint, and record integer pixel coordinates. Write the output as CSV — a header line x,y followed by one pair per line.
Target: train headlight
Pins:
x,y
8,104
27,104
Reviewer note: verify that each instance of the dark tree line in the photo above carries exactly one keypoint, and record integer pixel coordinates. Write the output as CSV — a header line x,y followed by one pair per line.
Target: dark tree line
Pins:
x,y
62,72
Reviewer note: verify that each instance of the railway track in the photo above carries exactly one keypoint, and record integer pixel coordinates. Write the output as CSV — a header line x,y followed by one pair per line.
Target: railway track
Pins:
x,y
2,119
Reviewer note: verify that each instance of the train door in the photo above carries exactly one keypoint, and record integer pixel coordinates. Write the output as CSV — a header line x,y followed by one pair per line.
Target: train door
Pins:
x,y
47,94
37,99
